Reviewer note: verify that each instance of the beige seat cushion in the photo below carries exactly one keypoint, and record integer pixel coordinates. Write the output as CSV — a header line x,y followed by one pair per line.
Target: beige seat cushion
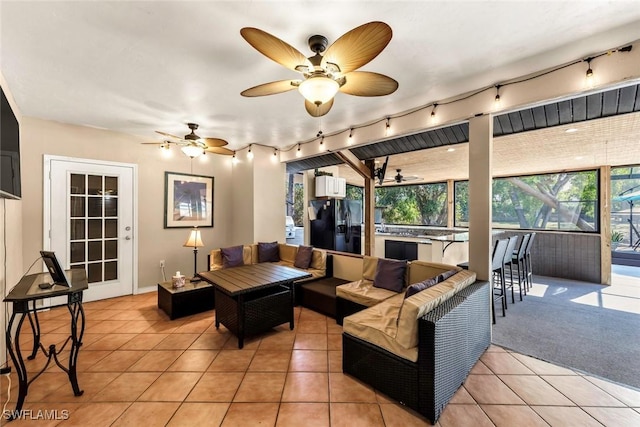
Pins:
x,y
215,257
378,325
363,292
424,301
288,253
421,270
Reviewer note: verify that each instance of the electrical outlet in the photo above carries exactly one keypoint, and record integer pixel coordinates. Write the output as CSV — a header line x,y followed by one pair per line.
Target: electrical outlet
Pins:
x,y
161,263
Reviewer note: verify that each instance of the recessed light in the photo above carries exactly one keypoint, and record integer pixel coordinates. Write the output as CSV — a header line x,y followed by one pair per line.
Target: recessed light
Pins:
x,y
449,150
571,130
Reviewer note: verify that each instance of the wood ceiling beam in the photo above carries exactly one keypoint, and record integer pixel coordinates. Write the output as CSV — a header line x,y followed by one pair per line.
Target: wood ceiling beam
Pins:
x,y
349,158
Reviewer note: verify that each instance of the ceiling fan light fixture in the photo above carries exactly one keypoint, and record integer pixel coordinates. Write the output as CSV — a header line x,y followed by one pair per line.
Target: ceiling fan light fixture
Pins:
x,y
318,89
192,150
250,153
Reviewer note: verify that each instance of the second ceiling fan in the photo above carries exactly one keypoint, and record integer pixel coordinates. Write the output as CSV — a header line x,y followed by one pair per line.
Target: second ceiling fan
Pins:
x,y
324,75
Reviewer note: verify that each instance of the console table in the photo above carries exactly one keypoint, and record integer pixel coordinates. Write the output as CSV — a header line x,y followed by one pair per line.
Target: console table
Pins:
x,y
253,298
23,297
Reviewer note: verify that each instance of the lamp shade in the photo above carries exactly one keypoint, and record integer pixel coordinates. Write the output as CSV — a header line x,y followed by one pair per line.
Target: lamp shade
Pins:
x,y
192,150
319,89
194,240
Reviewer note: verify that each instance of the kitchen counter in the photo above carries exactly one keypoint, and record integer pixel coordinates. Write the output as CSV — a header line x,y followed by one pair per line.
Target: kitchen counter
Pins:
x,y
433,245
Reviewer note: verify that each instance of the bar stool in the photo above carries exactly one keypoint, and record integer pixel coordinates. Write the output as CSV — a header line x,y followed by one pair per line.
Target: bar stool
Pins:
x,y
528,265
518,258
497,264
508,261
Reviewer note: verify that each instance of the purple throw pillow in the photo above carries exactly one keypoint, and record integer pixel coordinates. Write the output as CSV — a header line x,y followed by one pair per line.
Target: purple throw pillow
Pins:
x,y
268,252
390,274
303,257
232,256
444,276
420,286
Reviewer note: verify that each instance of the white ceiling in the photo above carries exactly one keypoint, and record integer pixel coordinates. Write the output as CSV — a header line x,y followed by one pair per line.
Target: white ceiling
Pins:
x,y
136,67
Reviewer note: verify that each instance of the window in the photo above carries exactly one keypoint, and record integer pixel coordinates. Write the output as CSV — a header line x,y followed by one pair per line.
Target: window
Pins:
x,y
419,204
565,201
625,215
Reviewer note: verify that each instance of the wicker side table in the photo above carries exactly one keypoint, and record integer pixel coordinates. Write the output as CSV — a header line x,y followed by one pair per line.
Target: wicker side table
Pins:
x,y
190,299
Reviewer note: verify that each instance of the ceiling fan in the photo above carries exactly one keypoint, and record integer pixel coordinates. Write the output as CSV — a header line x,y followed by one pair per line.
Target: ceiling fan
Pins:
x,y
399,178
192,144
324,75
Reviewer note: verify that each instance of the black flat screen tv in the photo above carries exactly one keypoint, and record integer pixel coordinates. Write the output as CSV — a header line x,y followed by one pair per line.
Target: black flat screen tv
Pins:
x,y
10,186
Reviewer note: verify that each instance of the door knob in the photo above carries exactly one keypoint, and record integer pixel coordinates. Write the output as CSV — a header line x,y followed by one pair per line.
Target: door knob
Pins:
x,y
127,237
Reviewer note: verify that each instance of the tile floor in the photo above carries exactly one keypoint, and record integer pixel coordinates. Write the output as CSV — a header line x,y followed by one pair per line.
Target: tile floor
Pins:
x,y
137,367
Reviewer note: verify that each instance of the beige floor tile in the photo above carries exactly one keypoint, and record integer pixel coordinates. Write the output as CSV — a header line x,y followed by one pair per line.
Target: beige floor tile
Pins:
x,y
194,361
581,391
489,389
165,326
334,342
335,361
88,358
136,326
278,340
462,396
199,414
562,416
481,369
144,342
618,417
210,341
310,315
504,363
626,395
270,361
232,360
105,326
96,414
541,367
303,414
464,416
356,415
195,327
148,414
333,327
343,388
110,342
47,383
250,343
312,327
117,361
396,415
310,342
251,414
176,342
504,416
306,387
309,361
89,382
216,387
127,387
171,387
261,387
156,360
534,390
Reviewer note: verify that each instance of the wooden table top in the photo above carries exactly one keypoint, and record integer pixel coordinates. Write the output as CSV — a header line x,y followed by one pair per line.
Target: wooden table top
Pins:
x,y
251,277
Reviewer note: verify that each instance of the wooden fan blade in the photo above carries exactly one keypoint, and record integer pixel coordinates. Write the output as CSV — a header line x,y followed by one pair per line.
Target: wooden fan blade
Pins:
x,y
269,88
318,111
219,150
365,83
168,134
274,48
214,142
359,46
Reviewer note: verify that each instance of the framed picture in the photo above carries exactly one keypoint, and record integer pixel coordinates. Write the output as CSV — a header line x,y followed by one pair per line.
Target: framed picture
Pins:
x,y
188,200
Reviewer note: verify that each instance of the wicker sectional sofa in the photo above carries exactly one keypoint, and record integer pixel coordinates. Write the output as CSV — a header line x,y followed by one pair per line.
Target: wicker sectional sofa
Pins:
x,y
417,350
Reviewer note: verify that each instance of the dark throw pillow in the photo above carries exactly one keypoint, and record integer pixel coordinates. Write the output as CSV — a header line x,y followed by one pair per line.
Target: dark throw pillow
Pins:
x,y
303,257
268,252
232,256
444,276
390,274
420,286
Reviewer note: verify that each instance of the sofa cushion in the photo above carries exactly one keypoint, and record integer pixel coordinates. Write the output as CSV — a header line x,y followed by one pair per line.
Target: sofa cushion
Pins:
x,y
444,276
390,274
421,270
421,303
232,256
363,292
421,286
377,325
369,265
215,258
288,253
268,252
303,257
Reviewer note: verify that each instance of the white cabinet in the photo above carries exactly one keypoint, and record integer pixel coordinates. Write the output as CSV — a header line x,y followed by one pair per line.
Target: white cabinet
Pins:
x,y
330,186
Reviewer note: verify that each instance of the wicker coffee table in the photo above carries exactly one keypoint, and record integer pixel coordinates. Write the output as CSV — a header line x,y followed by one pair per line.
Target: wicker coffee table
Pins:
x,y
253,298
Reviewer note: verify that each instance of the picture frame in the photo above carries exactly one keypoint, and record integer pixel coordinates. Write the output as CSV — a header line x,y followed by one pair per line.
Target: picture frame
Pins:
x,y
188,200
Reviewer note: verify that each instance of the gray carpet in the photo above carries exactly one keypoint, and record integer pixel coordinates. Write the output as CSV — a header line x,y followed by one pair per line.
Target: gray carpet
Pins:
x,y
589,338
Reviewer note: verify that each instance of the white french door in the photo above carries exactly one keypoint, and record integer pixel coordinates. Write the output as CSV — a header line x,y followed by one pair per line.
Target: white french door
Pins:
x,y
89,222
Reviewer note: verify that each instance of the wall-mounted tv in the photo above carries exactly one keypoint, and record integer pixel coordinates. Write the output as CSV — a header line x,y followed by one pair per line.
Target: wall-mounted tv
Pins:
x,y
10,186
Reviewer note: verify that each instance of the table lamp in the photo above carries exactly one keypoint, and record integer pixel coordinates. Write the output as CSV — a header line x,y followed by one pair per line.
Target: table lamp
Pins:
x,y
194,241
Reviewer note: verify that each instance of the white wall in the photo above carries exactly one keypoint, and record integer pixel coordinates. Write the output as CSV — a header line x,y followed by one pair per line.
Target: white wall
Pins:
x,y
41,137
